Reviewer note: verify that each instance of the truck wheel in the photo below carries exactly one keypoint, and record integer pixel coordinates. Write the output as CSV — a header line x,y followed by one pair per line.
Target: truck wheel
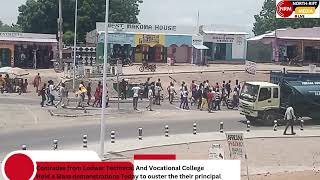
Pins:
x,y
268,118
141,69
251,119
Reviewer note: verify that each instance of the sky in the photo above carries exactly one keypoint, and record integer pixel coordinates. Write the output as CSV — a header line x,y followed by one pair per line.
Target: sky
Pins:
x,y
236,14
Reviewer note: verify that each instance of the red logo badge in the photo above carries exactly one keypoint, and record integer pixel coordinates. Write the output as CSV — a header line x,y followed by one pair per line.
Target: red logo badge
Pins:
x,y
285,8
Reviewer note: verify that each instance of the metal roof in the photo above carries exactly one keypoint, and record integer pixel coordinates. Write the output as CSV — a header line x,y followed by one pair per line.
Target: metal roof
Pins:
x,y
17,39
225,32
261,83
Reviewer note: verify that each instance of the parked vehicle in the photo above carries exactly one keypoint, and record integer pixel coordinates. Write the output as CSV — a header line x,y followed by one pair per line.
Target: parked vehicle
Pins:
x,y
148,67
266,102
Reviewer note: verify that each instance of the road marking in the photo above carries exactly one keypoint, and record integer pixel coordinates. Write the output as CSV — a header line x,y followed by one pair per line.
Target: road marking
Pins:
x,y
35,118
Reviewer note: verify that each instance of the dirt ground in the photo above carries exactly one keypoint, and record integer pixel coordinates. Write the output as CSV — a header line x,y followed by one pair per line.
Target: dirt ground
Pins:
x,y
305,175
268,159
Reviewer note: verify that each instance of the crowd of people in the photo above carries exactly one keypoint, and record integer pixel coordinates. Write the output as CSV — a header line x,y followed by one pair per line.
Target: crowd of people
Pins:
x,y
13,85
204,96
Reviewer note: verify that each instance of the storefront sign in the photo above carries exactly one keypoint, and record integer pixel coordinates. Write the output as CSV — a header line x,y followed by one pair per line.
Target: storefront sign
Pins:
x,y
147,28
149,39
223,39
10,34
197,40
117,38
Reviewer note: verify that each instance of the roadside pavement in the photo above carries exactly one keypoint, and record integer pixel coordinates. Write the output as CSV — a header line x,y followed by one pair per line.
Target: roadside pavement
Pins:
x,y
271,155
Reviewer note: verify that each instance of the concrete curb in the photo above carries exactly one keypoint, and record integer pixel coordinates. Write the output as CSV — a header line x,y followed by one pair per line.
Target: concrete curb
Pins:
x,y
125,145
205,71
87,115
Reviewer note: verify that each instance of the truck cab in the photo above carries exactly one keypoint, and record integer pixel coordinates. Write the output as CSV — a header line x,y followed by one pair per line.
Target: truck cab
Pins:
x,y
259,100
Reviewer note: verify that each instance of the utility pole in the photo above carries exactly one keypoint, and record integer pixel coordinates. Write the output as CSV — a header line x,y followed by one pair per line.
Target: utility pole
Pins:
x,y
75,46
60,33
104,92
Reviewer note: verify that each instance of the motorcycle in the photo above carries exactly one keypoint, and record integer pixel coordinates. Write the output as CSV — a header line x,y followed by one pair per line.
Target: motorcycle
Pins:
x,y
149,67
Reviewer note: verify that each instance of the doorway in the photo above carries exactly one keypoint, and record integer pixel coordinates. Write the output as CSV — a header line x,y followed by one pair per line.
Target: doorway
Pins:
x,y
5,57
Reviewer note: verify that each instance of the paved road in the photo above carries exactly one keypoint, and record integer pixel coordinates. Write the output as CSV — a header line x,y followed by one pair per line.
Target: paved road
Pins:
x,y
125,129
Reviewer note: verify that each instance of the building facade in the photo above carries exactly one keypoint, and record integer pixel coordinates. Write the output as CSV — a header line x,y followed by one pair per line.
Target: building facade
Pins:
x,y
302,44
27,50
224,46
148,43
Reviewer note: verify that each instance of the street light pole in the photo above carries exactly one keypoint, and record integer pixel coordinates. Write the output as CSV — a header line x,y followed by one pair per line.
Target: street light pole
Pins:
x,y
75,46
104,93
60,24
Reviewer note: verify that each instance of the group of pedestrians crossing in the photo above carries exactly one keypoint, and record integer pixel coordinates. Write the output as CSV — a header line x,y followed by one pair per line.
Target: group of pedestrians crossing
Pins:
x,y
205,96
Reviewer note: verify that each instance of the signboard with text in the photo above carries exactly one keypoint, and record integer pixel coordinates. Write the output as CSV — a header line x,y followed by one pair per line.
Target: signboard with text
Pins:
x,y
236,145
147,28
251,67
297,9
216,152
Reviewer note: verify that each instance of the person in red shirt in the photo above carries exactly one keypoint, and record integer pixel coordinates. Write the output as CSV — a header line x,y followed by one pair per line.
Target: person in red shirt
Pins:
x,y
210,99
98,95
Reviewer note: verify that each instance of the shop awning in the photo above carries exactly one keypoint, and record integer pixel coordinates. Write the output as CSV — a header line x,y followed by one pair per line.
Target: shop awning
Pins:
x,y
200,47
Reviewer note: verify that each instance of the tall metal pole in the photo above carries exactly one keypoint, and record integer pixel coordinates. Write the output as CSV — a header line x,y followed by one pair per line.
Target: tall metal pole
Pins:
x,y
104,93
75,46
118,87
60,28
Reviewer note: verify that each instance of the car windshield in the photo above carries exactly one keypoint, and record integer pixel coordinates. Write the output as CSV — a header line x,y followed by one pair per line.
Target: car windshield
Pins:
x,y
249,92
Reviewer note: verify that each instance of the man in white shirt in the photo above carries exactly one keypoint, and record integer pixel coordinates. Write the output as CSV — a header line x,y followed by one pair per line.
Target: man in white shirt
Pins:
x,y
135,90
290,118
150,96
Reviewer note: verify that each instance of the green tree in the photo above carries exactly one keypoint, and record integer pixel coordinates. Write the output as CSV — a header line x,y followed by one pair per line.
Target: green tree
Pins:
x,y
40,16
266,20
7,28
68,37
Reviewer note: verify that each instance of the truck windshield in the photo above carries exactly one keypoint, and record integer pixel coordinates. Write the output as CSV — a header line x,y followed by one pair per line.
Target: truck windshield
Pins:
x,y
249,92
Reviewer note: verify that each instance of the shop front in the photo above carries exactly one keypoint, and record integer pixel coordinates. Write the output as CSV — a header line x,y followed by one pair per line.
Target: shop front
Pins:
x,y
147,43
26,50
225,46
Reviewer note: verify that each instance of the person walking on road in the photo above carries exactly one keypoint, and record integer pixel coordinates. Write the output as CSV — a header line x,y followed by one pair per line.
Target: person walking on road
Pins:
x,y
290,118
98,96
185,95
63,96
210,100
135,90
50,93
36,82
172,92
42,93
228,88
89,90
150,96
157,90
146,87
217,100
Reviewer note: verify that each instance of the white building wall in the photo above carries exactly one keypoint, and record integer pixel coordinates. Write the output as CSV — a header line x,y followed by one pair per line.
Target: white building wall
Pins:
x,y
238,47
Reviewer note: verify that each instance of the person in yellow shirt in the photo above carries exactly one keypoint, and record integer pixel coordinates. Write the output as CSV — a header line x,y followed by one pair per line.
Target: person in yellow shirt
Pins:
x,y
2,83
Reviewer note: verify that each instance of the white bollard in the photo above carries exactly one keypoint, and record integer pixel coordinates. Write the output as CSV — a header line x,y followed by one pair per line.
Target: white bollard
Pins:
x,y
140,133
275,125
24,147
166,133
248,126
113,136
194,128
301,125
55,144
85,141
221,127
